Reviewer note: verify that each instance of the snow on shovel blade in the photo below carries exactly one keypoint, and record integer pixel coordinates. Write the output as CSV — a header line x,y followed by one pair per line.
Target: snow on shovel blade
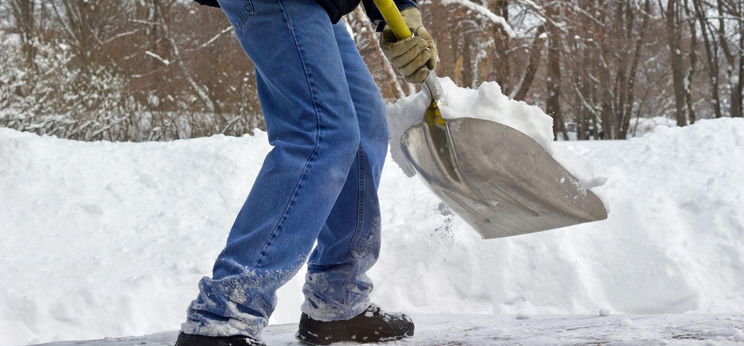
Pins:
x,y
498,179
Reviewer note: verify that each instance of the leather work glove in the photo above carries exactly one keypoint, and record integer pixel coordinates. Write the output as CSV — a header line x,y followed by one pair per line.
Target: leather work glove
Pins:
x,y
415,56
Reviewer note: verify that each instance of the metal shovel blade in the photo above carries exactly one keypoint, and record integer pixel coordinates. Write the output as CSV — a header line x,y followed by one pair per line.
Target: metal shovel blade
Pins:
x,y
498,179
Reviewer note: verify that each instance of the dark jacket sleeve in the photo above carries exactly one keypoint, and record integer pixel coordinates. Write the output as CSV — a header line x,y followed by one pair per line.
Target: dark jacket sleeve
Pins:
x,y
374,14
338,8
212,3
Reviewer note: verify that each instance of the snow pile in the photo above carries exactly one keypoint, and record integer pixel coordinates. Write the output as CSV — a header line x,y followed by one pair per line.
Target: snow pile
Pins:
x,y
640,127
109,239
487,102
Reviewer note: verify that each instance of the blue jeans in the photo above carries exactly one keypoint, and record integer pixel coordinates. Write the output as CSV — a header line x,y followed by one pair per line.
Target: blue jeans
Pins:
x,y
325,118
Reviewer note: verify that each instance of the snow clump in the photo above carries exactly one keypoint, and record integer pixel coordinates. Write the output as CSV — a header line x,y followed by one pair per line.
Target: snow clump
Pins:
x,y
487,103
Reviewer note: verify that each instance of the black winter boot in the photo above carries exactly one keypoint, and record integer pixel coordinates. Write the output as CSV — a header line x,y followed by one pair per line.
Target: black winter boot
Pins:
x,y
372,325
201,340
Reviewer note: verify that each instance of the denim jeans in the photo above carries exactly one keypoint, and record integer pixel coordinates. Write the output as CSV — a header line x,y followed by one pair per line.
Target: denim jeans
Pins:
x,y
325,119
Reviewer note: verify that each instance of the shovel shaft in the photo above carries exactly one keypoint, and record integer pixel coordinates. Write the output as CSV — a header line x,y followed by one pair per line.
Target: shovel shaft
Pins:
x,y
393,18
435,89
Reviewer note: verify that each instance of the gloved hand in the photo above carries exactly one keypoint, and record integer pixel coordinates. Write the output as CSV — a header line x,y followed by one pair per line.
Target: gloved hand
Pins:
x,y
415,56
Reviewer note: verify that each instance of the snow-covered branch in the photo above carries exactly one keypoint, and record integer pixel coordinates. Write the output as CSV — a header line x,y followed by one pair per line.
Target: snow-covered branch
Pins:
x,y
484,13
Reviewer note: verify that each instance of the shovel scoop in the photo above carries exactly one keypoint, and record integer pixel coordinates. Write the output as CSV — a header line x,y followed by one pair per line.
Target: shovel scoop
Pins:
x,y
499,180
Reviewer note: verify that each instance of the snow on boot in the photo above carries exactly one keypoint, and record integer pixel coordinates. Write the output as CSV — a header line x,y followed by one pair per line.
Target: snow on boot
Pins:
x,y
372,325
201,340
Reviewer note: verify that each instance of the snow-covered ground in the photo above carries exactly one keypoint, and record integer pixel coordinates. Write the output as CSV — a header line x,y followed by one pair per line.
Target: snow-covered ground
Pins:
x,y
477,330
109,239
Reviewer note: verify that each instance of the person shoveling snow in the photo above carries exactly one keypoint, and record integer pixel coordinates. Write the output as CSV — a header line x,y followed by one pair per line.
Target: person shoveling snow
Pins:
x,y
326,120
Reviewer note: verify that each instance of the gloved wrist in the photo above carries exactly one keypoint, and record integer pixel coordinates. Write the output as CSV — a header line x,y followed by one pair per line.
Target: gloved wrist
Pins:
x,y
413,57
412,17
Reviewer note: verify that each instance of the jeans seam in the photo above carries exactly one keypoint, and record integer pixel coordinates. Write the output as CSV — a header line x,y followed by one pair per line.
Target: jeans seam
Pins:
x,y
318,137
360,203
241,22
248,11
359,223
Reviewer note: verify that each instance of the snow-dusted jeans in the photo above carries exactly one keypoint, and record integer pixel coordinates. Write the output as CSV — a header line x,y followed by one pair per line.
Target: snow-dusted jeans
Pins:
x,y
325,119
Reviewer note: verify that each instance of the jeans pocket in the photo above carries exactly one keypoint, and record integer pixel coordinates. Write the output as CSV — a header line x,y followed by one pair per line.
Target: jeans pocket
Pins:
x,y
238,12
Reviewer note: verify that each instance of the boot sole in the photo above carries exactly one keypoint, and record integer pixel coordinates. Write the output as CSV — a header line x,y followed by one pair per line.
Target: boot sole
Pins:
x,y
313,340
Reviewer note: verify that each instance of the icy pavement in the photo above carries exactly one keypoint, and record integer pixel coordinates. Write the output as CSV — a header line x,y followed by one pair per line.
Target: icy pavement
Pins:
x,y
435,330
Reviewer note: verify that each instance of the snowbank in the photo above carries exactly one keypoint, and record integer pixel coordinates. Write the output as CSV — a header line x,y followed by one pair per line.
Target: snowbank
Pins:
x,y
109,239
640,127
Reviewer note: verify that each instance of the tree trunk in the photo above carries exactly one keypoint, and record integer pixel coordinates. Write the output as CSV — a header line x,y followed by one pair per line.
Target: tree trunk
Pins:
x,y
500,69
691,69
22,12
736,93
630,87
553,104
532,65
675,49
711,54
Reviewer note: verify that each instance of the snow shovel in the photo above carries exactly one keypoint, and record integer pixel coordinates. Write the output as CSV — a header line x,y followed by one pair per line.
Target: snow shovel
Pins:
x,y
499,180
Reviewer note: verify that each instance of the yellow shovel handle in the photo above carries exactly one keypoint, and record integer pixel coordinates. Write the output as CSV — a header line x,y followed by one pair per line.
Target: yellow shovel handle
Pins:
x,y
392,16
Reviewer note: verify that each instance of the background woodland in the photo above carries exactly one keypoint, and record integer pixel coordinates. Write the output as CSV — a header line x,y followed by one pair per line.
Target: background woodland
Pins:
x,y
140,70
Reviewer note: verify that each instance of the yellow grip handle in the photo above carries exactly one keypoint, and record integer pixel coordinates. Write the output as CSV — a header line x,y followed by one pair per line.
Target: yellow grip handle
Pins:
x,y
392,16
